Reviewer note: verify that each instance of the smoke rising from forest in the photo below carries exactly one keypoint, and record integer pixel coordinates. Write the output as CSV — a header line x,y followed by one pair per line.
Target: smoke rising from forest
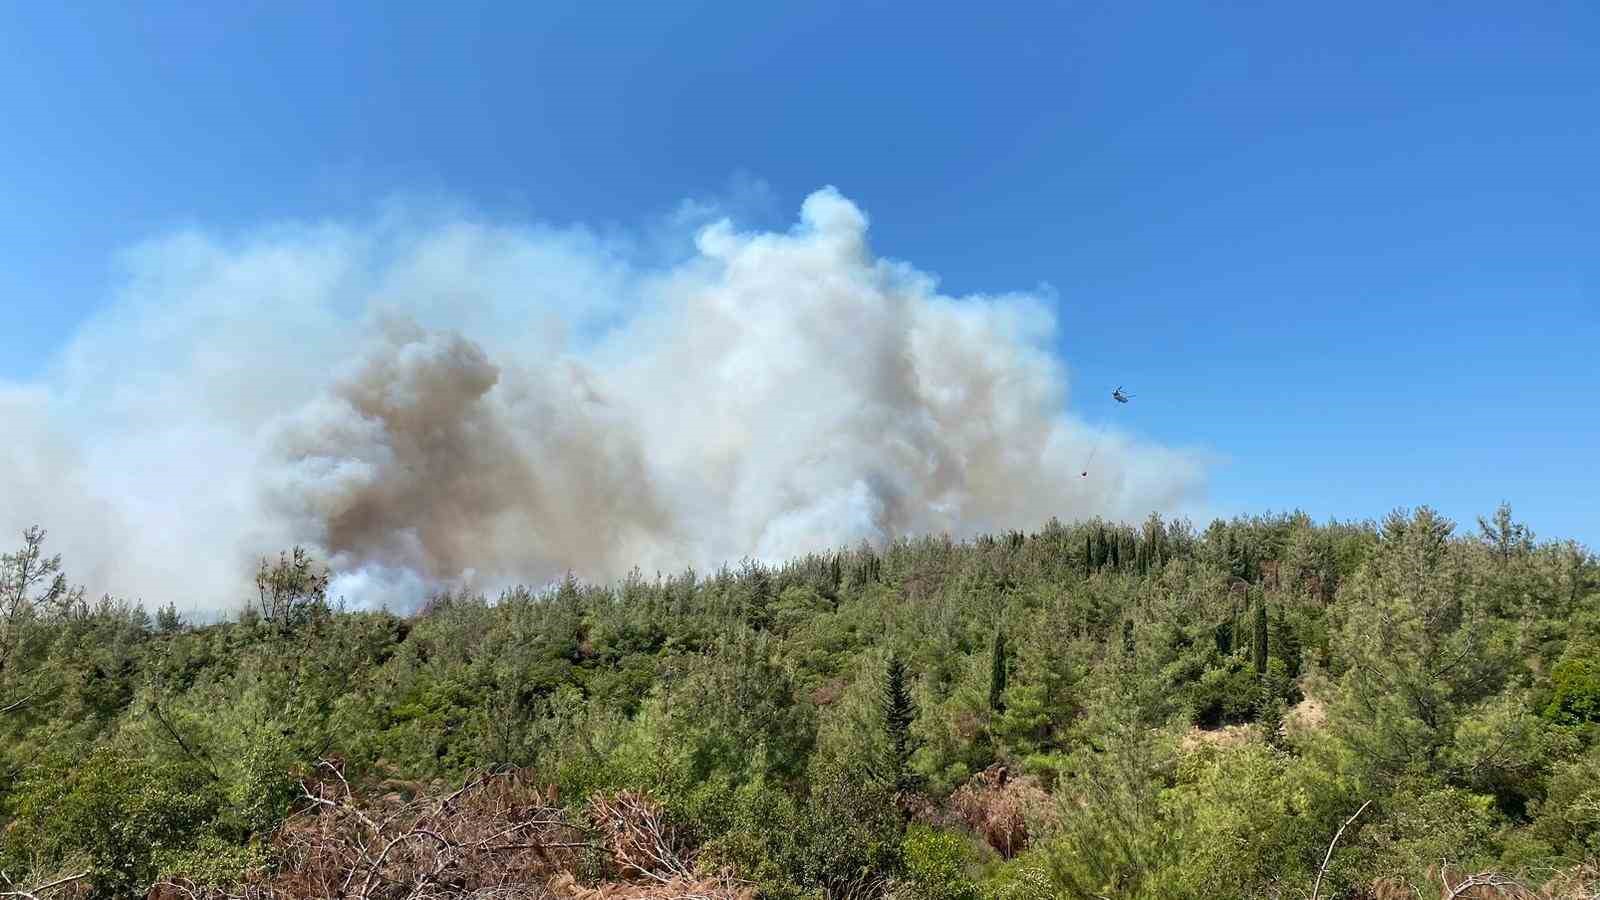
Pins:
x,y
427,400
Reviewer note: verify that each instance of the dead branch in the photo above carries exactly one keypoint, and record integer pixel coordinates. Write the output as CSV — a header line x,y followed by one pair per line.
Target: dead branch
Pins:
x,y
1500,884
1316,886
35,892
497,837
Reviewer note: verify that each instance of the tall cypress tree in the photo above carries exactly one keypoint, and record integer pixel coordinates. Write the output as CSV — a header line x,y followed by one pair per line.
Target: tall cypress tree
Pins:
x,y
997,673
899,711
1261,637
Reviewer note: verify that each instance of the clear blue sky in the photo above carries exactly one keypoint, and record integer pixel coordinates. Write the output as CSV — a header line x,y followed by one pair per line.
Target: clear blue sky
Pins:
x,y
1353,247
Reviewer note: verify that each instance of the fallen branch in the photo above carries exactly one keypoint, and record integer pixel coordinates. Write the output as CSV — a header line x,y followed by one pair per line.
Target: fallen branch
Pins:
x,y
33,893
1483,879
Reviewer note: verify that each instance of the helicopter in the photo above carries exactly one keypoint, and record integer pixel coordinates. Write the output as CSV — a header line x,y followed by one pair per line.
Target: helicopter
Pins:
x,y
1120,396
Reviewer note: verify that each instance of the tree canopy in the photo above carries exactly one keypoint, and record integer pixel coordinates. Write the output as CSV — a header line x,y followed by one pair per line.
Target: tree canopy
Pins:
x,y
1089,710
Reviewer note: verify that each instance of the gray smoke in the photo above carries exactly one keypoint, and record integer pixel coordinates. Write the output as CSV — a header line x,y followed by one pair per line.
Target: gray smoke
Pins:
x,y
428,403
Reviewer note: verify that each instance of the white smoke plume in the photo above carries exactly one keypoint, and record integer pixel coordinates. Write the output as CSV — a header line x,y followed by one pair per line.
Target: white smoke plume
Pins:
x,y
429,402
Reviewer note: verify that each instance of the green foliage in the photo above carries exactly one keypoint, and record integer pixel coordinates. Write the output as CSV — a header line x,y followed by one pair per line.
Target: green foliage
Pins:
x,y
1575,689
899,712
1568,818
1119,840
1422,823
1247,816
802,724
1226,695
1025,878
937,865
856,829
997,673
1419,650
167,620
1260,644
769,840
113,812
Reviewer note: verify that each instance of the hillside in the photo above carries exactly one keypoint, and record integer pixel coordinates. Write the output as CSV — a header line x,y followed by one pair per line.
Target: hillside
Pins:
x,y
1091,710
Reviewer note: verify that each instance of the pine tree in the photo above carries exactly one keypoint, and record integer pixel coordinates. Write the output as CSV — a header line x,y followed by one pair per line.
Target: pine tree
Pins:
x,y
997,673
167,619
1505,536
757,594
1420,654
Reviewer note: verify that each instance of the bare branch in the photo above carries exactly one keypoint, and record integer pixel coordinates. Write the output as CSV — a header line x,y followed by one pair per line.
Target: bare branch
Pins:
x,y
1500,883
1316,886
34,893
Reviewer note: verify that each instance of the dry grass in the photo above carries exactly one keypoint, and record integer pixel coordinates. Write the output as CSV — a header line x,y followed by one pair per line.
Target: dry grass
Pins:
x,y
1224,737
1006,812
1306,716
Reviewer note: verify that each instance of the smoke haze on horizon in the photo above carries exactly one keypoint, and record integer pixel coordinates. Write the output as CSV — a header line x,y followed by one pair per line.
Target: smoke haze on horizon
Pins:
x,y
432,401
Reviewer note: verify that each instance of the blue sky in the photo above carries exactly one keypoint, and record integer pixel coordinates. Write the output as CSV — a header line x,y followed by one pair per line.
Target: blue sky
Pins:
x,y
1351,249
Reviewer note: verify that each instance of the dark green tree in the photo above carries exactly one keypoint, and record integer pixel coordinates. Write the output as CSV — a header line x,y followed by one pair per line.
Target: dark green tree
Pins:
x,y
167,620
997,673
1223,634
1260,645
1505,536
899,711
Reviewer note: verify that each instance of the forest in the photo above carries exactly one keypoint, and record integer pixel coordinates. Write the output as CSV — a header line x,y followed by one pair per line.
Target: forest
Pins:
x,y
1266,707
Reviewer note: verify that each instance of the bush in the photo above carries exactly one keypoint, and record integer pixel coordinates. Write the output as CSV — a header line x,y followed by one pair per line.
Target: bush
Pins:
x,y
856,828
769,842
936,865
1025,878
1575,683
115,813
1225,695
1569,817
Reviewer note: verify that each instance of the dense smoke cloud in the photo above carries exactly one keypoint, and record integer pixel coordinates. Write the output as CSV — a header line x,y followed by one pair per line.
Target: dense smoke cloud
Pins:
x,y
430,402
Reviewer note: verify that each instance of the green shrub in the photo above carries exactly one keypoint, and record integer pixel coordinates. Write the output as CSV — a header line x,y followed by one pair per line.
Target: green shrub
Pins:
x,y
114,811
1027,877
1227,694
936,864
1575,683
